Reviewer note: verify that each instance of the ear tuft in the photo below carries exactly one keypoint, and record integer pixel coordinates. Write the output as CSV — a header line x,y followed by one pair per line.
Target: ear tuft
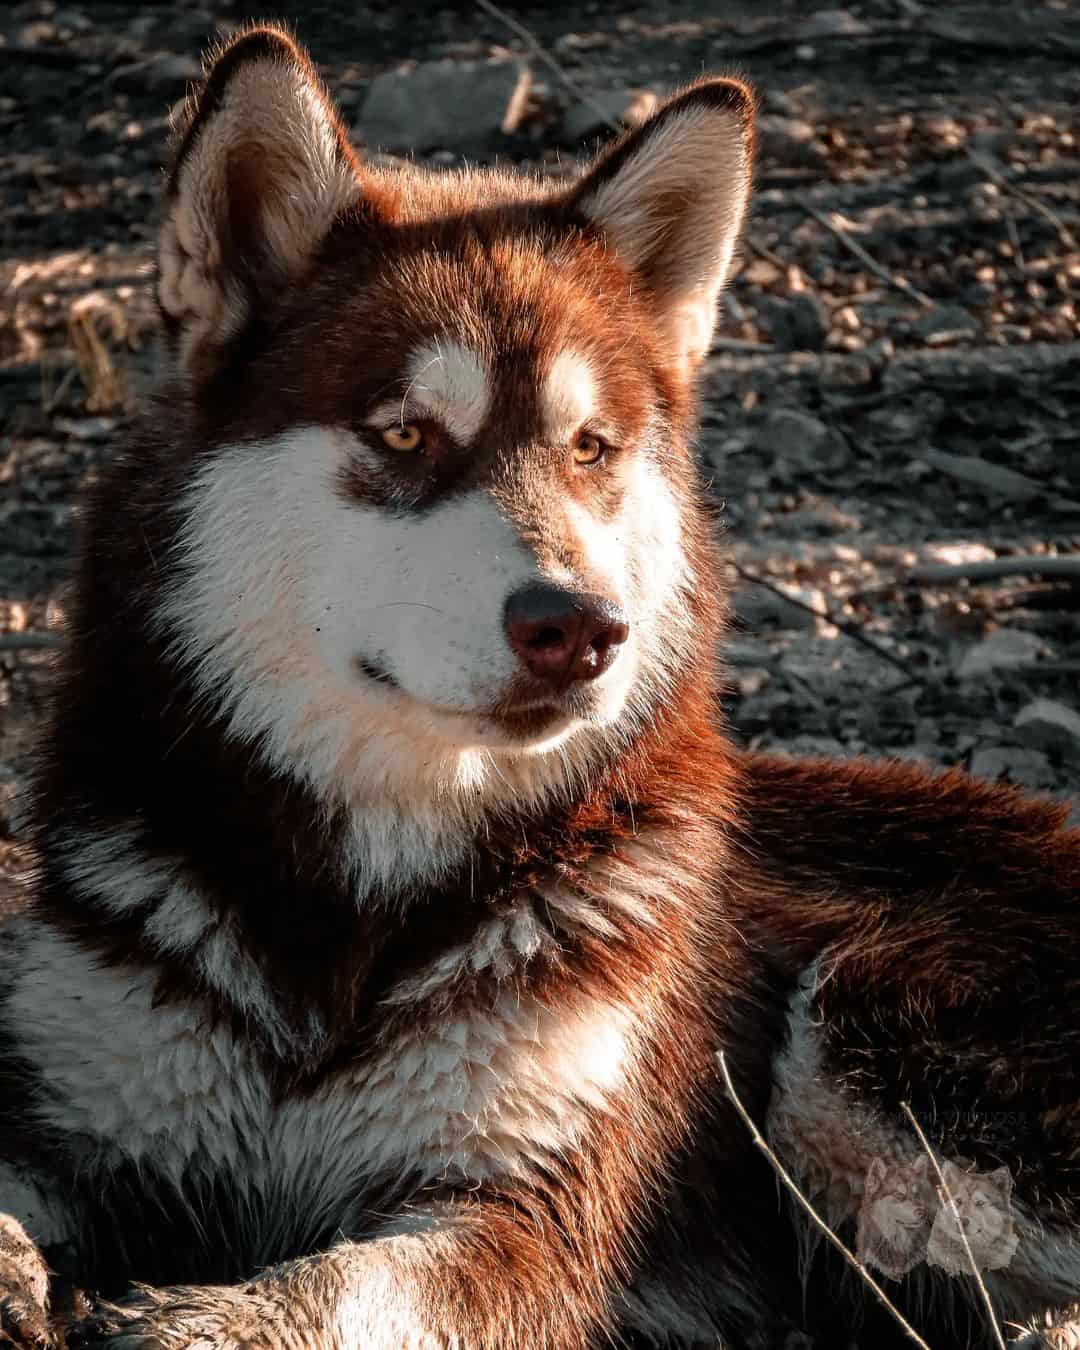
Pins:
x,y
262,166
671,198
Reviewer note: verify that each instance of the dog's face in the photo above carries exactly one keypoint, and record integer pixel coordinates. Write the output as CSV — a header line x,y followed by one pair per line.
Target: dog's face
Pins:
x,y
442,520
983,1203
898,1196
896,1215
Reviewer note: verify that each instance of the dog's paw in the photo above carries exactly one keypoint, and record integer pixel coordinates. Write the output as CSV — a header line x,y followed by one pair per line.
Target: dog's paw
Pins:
x,y
23,1322
195,1318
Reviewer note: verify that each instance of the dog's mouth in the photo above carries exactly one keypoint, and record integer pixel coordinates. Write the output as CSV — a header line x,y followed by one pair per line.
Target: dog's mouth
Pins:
x,y
529,722
371,670
526,715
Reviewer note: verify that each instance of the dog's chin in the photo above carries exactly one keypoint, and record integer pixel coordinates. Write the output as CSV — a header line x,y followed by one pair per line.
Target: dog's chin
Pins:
x,y
516,729
526,720
528,732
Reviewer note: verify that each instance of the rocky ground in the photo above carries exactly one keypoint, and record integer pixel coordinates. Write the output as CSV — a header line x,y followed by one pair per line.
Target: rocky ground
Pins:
x,y
894,398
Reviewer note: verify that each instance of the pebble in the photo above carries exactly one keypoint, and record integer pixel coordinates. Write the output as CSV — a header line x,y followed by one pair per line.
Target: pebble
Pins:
x,y
1048,725
789,143
944,319
799,323
1003,649
800,440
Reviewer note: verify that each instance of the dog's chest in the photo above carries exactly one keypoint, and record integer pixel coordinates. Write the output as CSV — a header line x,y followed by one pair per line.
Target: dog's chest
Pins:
x,y
482,1087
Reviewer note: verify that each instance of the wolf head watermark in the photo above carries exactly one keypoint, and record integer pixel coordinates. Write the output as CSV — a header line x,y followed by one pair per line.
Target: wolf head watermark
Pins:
x,y
896,1216
906,1218
983,1215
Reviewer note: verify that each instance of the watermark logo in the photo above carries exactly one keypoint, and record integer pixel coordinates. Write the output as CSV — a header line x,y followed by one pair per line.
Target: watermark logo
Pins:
x,y
906,1218
897,1216
983,1203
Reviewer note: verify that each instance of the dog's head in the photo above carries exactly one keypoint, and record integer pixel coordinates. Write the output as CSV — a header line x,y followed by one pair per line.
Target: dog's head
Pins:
x,y
437,516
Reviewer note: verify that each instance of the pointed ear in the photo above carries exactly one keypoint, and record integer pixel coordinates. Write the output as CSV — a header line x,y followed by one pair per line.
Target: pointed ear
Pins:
x,y
1001,1178
670,199
261,168
955,1177
875,1175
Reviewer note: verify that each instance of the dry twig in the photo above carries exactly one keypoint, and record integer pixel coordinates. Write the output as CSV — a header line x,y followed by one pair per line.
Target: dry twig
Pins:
x,y
846,626
980,1282
900,283
1007,185
542,54
991,569
793,1187
14,642
742,346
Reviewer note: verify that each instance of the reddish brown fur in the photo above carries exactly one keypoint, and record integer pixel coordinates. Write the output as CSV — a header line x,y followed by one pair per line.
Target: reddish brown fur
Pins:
x,y
945,910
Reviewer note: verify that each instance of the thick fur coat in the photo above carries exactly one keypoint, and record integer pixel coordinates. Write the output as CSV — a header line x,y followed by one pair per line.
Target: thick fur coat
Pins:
x,y
396,884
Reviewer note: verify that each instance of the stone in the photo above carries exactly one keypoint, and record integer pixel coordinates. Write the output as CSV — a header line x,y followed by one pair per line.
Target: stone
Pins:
x,y
1046,724
832,23
799,323
165,73
1027,768
593,117
760,272
799,438
791,432
789,143
444,105
1002,650
993,479
807,746
944,319
72,20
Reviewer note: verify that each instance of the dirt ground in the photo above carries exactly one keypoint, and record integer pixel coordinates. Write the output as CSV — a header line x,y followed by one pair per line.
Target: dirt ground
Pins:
x,y
896,381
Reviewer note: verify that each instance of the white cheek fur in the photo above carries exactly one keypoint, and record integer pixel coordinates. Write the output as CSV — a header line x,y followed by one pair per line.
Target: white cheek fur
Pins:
x,y
280,585
422,596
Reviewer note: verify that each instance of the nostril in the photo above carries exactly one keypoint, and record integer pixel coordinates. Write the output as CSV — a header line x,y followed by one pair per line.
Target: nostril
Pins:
x,y
546,638
602,642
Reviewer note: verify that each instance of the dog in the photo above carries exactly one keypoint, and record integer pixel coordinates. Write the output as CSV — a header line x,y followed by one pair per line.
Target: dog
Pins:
x,y
396,886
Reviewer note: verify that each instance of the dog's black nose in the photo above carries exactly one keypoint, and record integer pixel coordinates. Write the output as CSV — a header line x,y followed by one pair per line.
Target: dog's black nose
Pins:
x,y
562,636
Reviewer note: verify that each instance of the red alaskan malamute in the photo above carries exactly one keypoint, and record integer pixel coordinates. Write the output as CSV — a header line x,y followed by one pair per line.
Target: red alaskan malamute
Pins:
x,y
397,887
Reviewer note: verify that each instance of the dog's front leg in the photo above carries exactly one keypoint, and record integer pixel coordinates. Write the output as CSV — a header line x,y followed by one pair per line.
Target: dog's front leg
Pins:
x,y
24,1288
474,1276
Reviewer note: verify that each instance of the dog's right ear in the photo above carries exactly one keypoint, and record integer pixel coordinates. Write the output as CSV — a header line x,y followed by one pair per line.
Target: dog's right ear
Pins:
x,y
261,169
875,1175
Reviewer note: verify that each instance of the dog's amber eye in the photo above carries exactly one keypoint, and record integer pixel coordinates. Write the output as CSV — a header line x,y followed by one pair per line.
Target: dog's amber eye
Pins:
x,y
588,449
405,437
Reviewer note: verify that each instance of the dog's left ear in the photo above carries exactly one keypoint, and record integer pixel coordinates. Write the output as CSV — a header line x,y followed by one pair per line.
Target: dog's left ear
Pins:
x,y
670,199
261,168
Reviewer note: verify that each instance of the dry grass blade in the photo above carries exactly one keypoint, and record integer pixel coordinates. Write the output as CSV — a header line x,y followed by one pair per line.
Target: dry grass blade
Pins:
x,y
105,386
792,1186
980,1282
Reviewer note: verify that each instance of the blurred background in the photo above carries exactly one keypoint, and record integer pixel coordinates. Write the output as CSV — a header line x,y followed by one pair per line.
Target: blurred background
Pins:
x,y
892,409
